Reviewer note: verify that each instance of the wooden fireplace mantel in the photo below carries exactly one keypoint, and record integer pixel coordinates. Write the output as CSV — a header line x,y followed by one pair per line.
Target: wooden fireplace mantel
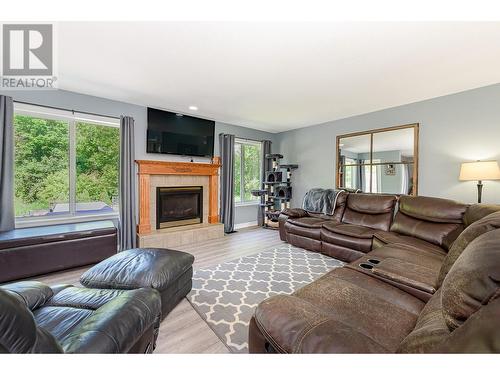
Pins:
x,y
149,167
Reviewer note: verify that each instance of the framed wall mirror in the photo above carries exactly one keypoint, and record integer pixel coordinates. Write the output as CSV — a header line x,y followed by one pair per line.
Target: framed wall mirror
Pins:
x,y
379,161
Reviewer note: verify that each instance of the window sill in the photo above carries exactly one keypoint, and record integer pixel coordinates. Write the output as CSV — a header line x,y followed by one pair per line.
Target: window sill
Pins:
x,y
29,223
245,204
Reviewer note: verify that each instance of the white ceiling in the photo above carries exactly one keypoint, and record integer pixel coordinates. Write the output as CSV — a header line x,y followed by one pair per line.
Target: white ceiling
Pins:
x,y
276,76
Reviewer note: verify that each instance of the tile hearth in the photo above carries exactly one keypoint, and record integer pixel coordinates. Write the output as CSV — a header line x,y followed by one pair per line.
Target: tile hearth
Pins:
x,y
183,235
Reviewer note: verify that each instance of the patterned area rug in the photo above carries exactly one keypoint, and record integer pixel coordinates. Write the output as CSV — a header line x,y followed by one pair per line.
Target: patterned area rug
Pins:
x,y
226,295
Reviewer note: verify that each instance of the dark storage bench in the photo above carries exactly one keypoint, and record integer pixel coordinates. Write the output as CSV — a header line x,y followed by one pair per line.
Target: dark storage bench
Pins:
x,y
34,251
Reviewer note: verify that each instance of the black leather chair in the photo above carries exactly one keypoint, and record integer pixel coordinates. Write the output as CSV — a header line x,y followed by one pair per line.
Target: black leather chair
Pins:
x,y
36,318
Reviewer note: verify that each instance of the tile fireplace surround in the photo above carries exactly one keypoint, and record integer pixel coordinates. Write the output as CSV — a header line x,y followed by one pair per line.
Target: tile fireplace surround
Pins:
x,y
153,174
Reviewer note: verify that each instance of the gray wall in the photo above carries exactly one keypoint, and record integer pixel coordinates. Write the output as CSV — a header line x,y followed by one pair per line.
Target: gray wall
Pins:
x,y
453,128
85,103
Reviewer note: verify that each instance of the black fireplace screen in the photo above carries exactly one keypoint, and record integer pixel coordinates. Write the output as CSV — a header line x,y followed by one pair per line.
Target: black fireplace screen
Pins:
x,y
178,206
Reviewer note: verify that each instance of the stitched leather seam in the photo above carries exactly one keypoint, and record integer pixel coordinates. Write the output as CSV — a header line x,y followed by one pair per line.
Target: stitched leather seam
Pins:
x,y
269,338
75,306
306,331
494,296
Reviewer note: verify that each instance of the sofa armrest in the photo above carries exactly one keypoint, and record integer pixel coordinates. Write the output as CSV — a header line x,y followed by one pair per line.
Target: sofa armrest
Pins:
x,y
405,273
295,212
33,293
285,214
479,334
116,326
281,226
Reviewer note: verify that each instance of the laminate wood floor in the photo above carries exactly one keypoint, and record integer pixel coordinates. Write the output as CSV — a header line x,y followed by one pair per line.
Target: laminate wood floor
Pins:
x,y
184,331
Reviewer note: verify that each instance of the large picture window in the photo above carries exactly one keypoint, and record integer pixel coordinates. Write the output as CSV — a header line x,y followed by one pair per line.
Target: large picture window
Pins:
x,y
66,164
247,170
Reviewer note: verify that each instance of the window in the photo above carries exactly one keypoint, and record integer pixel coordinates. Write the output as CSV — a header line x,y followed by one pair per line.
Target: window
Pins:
x,y
247,170
66,164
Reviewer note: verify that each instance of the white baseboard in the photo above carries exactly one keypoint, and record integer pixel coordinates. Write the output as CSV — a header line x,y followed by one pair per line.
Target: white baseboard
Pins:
x,y
245,225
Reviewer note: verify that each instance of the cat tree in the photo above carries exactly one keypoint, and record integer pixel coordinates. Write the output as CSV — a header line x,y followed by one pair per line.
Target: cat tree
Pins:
x,y
277,192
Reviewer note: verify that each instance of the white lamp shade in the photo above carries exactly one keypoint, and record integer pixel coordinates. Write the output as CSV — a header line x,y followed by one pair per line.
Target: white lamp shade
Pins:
x,y
480,170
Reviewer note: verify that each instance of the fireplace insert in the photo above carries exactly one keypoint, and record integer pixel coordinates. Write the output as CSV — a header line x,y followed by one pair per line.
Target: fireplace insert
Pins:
x,y
180,205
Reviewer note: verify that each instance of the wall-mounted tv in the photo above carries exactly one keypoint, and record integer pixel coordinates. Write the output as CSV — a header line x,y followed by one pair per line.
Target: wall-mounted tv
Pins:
x,y
172,133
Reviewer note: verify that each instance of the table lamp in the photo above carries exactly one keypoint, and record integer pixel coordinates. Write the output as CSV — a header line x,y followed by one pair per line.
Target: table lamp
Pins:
x,y
479,171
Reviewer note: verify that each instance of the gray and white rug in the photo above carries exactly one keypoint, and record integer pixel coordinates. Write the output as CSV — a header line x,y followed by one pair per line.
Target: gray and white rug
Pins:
x,y
226,295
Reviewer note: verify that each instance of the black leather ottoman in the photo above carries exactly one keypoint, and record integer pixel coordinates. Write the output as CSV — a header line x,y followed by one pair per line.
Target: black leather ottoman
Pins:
x,y
170,272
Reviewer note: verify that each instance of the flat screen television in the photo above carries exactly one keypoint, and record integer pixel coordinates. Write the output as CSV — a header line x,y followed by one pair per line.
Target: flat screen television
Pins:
x,y
171,133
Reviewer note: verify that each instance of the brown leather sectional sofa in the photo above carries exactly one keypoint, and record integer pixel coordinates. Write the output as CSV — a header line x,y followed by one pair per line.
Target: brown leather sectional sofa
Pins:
x,y
425,279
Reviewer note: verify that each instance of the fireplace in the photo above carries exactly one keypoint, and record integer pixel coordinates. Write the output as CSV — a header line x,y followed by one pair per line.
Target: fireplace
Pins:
x,y
176,206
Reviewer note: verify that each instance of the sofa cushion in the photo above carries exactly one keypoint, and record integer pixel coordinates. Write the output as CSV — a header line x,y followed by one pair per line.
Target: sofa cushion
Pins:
x,y
308,222
430,330
363,245
60,321
371,203
333,336
441,234
350,236
409,254
352,230
473,280
435,220
477,228
353,304
370,210
308,227
437,210
382,238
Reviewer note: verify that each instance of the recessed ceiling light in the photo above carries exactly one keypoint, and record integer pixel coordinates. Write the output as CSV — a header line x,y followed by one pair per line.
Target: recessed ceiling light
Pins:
x,y
193,108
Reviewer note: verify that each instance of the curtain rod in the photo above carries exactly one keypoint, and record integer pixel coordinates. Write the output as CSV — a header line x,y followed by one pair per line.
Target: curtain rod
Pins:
x,y
65,109
246,139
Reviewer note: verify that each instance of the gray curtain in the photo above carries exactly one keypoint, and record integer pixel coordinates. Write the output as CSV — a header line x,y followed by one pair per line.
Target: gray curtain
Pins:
x,y
267,164
226,149
6,163
127,226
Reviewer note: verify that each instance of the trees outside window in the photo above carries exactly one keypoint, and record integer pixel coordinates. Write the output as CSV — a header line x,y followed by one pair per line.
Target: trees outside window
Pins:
x,y
64,165
247,170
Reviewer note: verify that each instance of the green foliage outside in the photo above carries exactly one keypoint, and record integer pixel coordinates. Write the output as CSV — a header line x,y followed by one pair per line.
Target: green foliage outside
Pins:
x,y
251,170
42,163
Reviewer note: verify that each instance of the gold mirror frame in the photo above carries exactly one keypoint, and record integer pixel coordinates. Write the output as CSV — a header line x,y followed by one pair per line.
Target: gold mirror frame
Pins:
x,y
371,164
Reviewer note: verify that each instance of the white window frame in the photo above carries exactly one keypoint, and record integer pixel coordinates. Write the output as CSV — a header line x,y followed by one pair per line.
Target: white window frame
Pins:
x,y
243,142
72,118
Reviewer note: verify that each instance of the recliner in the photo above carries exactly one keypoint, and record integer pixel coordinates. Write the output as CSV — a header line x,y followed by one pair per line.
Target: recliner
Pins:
x,y
301,226
35,318
364,216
